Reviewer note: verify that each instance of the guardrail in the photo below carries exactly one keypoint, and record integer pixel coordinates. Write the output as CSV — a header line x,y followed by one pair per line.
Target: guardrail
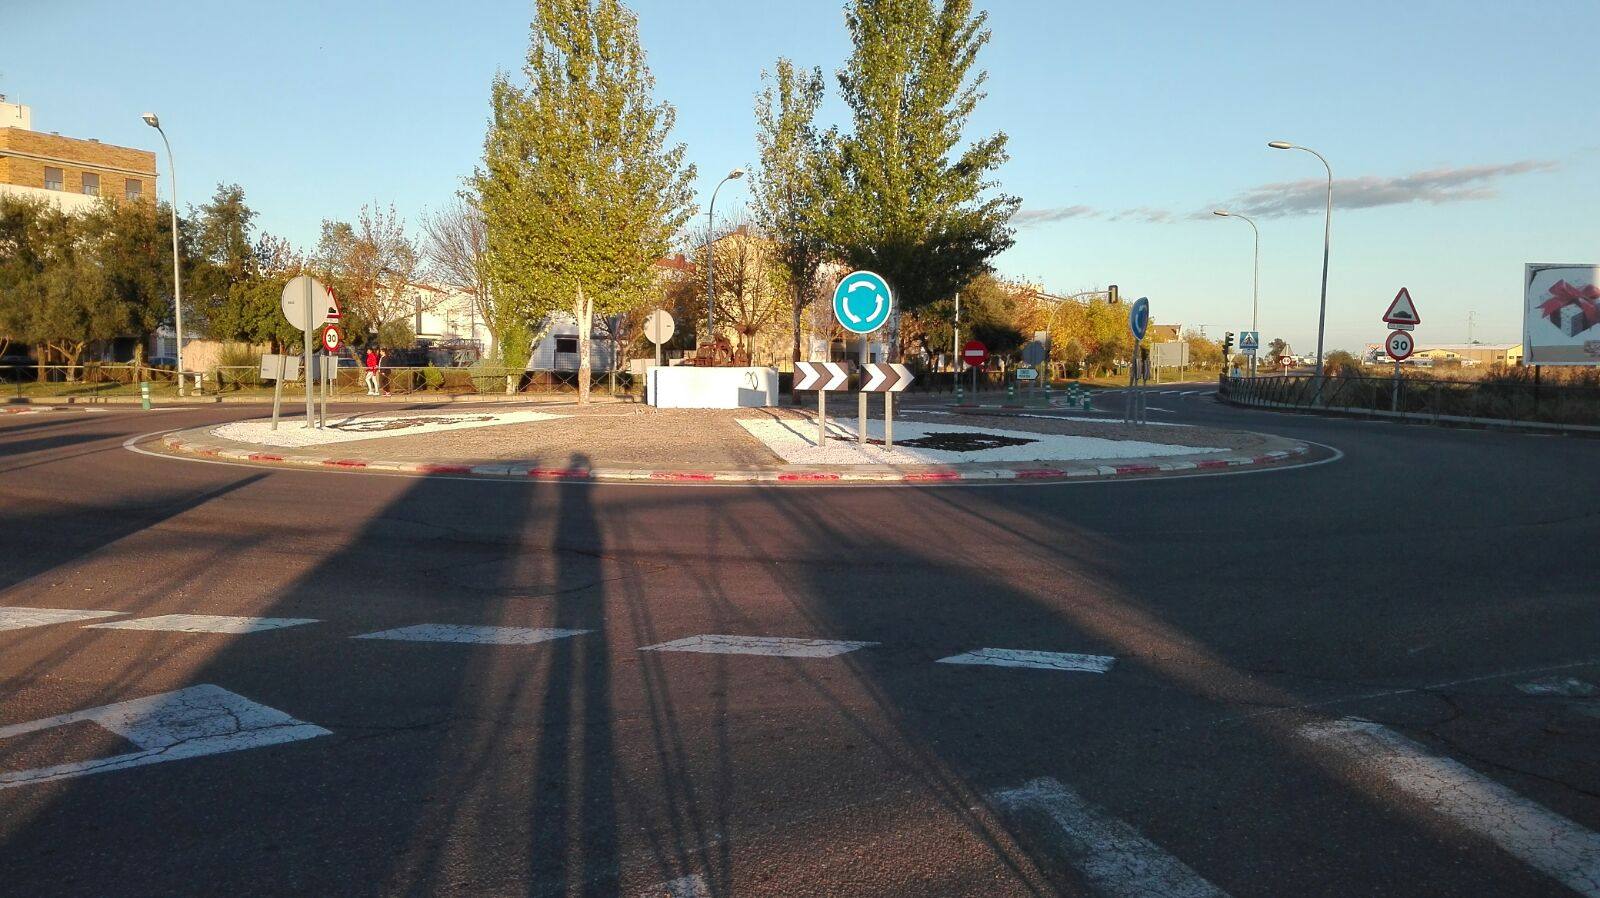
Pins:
x,y
1487,400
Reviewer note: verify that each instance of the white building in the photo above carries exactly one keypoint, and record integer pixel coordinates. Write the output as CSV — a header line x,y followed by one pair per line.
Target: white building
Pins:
x,y
448,322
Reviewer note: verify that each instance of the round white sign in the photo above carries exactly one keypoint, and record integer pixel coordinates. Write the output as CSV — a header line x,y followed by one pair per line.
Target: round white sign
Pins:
x,y
323,308
1399,345
659,327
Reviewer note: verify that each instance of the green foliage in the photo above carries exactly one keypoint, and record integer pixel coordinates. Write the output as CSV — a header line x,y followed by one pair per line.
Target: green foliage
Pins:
x,y
907,201
433,377
790,204
580,191
1340,363
70,280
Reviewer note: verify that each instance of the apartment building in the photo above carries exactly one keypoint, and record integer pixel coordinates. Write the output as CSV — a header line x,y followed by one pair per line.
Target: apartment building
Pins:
x,y
70,172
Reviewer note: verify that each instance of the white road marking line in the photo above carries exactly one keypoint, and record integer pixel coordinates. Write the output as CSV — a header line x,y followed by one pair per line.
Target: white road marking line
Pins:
x,y
693,886
1534,834
200,720
204,623
780,646
1033,659
1115,859
1567,686
14,618
462,633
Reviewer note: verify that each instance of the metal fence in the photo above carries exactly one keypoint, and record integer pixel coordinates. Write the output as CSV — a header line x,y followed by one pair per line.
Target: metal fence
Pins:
x,y
106,380
1489,399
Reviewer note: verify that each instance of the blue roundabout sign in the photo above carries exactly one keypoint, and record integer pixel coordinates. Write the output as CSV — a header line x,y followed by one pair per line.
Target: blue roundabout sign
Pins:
x,y
1139,318
862,302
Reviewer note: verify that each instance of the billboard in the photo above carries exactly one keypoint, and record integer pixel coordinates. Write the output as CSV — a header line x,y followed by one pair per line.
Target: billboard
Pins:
x,y
1561,314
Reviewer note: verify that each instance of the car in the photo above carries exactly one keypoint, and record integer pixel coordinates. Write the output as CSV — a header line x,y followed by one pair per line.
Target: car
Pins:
x,y
162,361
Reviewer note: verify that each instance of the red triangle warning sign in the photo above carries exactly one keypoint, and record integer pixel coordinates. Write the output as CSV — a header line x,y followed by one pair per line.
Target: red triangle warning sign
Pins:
x,y
333,313
1402,310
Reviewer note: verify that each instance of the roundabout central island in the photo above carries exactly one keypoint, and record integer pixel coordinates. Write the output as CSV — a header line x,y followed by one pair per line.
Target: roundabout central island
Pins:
x,y
683,386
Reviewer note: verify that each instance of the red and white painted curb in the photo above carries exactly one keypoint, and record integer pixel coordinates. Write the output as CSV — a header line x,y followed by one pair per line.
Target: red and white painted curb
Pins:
x,y
178,442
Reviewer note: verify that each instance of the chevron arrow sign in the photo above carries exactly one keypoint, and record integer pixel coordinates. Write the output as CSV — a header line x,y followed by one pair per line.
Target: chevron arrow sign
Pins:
x,y
885,377
820,375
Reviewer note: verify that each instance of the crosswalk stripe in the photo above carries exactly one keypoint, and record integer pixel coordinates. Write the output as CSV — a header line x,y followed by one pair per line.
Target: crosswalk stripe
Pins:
x,y
463,633
1115,859
15,618
780,646
203,623
1534,834
1033,659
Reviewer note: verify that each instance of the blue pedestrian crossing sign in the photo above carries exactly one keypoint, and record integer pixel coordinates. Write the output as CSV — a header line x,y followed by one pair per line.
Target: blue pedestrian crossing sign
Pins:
x,y
1249,342
862,302
1139,318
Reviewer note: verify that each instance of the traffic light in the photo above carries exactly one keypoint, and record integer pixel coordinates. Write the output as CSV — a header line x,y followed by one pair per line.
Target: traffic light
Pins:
x,y
1113,299
1227,347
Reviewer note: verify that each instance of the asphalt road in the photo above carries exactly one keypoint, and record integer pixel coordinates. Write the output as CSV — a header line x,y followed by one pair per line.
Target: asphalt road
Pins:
x,y
1371,676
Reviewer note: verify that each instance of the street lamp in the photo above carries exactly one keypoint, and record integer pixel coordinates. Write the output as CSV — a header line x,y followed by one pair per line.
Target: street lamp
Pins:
x,y
177,280
711,226
1255,281
1327,233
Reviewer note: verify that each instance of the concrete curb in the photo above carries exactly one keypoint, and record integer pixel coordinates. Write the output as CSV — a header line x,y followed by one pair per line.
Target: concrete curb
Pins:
x,y
180,442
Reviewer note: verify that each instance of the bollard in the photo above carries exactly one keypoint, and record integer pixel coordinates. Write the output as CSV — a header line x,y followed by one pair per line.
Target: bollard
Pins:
x,y
1011,392
958,392
144,394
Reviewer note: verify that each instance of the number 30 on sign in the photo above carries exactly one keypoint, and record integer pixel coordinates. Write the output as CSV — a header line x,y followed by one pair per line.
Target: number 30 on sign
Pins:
x,y
1399,345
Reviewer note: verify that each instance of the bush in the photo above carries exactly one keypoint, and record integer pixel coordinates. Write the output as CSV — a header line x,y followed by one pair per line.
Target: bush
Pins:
x,y
241,363
433,377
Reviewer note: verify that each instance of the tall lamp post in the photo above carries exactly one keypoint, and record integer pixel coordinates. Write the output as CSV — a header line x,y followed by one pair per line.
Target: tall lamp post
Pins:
x,y
1255,280
1327,233
177,280
711,226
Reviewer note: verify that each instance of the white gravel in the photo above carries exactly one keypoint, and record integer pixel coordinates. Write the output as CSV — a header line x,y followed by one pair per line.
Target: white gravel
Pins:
x,y
796,443
292,431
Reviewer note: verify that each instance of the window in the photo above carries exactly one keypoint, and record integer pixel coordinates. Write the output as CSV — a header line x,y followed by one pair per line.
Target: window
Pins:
x,y
52,178
567,344
132,188
91,184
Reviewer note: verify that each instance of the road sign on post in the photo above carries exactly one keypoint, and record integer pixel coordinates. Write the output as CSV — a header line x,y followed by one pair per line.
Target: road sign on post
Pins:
x,y
822,377
332,338
1249,342
1138,323
1399,345
308,304
862,303
888,379
658,329
1402,313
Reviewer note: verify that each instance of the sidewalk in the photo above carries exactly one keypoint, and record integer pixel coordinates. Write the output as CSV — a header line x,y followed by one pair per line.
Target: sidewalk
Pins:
x,y
640,443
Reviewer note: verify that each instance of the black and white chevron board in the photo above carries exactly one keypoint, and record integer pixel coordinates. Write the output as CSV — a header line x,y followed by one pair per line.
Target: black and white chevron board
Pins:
x,y
885,377
822,376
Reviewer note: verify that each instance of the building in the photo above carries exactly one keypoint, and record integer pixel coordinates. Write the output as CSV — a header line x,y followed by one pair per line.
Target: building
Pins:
x,y
446,321
70,172
1473,353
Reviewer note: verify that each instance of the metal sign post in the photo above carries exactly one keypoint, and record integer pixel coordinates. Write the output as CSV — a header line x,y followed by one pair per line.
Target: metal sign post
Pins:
x,y
277,388
864,357
1138,322
887,378
822,377
862,303
306,334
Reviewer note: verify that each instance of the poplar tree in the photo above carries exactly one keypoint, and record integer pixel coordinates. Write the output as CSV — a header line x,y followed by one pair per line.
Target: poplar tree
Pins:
x,y
789,202
581,192
908,200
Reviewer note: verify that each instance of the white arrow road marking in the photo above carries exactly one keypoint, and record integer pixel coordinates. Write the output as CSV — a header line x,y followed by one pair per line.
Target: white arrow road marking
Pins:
x,y
1038,660
1115,859
16,618
1567,686
780,646
462,633
1537,836
190,723
693,886
204,623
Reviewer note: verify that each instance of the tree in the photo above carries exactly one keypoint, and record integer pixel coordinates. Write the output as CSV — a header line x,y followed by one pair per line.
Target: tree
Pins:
x,y
750,282
371,266
1203,352
789,201
581,192
1276,350
456,242
905,200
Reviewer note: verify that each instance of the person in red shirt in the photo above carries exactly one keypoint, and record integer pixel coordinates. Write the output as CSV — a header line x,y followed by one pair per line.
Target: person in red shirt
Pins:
x,y
372,371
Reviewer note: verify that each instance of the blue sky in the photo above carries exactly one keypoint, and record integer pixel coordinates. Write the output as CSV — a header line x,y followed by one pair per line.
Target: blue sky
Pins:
x,y
1462,133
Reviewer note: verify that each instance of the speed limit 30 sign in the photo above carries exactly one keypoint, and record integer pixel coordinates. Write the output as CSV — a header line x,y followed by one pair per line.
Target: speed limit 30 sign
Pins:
x,y
1399,345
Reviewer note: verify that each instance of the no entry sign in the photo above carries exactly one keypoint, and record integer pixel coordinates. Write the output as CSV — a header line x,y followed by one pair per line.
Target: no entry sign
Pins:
x,y
974,353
